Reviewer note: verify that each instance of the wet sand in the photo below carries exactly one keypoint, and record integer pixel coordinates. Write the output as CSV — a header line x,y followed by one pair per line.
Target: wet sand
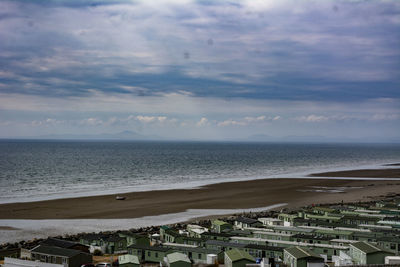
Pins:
x,y
392,164
232,195
7,228
368,173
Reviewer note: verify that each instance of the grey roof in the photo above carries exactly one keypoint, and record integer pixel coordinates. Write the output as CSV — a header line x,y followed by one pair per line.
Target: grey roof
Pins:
x,y
224,244
292,229
237,255
366,247
300,253
127,258
192,249
59,243
176,256
219,222
50,250
153,248
261,247
246,220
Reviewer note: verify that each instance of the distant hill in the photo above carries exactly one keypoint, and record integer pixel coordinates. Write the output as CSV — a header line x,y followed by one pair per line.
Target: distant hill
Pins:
x,y
297,138
124,135
317,139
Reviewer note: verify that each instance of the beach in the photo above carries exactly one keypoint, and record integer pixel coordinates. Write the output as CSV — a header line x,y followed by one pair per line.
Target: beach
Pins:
x,y
367,173
295,192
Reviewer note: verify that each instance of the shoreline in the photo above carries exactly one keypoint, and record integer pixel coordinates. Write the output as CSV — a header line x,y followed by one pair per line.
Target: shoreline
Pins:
x,y
383,172
311,174
362,173
32,220
228,195
20,230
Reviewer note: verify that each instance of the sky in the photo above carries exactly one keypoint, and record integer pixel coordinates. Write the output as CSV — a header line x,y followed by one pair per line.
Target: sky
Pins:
x,y
201,70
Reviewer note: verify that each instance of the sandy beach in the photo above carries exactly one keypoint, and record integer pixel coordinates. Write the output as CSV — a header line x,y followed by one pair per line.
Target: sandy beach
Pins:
x,y
232,195
368,173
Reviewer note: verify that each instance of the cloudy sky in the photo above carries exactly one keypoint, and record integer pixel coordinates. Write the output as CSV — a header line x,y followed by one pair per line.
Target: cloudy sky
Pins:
x,y
219,70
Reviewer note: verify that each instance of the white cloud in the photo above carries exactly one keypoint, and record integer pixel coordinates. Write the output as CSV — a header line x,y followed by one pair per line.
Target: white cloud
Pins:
x,y
100,32
168,104
151,119
385,117
119,112
312,118
231,122
91,122
357,117
276,118
202,122
248,120
255,119
47,122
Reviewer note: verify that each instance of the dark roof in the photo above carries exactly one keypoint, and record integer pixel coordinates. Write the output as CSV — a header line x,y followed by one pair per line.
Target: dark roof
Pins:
x,y
237,255
93,236
331,224
361,218
392,218
172,232
131,234
300,253
315,237
189,238
114,238
224,244
339,207
365,234
216,234
324,209
391,231
394,239
240,232
261,247
50,250
59,243
246,220
153,248
366,247
192,249
301,220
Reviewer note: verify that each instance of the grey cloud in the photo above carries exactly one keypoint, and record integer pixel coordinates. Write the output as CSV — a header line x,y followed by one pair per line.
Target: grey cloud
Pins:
x,y
286,50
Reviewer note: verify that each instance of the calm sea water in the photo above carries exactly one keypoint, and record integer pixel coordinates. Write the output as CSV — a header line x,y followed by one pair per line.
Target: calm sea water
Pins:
x,y
35,170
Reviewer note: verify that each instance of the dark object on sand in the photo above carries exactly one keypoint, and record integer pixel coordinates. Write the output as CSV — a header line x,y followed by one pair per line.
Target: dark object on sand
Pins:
x,y
120,198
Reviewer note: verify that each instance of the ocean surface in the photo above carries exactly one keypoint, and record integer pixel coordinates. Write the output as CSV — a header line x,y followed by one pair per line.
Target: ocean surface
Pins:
x,y
38,170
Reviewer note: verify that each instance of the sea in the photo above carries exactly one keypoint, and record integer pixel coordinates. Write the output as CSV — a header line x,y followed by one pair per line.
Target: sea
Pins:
x,y
33,170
